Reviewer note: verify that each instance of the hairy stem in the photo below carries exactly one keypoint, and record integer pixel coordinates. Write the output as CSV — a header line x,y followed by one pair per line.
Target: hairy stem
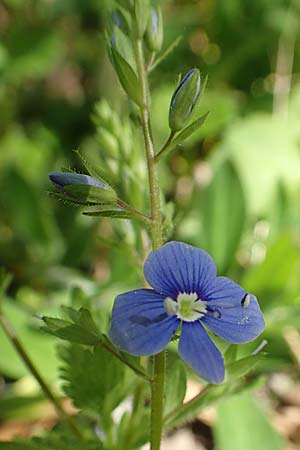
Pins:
x,y
157,386
8,330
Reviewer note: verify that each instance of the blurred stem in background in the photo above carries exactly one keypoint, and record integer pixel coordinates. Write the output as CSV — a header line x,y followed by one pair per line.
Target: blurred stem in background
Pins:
x,y
13,338
285,62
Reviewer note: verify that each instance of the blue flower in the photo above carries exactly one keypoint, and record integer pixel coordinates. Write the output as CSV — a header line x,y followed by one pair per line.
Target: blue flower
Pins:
x,y
187,292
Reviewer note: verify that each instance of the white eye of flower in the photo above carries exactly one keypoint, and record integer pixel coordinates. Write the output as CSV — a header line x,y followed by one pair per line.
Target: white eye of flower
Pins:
x,y
188,307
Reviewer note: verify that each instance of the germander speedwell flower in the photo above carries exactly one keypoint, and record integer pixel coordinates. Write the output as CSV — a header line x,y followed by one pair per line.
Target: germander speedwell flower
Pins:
x,y
187,292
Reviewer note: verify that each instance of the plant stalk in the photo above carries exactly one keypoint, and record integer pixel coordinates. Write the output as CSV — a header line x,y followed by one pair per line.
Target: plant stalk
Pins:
x,y
159,360
10,333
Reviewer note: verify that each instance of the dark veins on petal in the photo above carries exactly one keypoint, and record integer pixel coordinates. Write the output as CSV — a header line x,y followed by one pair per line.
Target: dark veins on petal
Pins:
x,y
145,321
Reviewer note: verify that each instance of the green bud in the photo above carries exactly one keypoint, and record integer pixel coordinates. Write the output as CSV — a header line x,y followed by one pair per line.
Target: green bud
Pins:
x,y
154,33
83,189
141,14
184,100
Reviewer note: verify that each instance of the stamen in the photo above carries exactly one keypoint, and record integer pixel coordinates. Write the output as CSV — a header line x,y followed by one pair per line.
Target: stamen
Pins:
x,y
171,306
246,301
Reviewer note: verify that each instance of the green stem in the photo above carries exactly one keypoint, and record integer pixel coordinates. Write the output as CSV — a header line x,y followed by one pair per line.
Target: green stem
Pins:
x,y
157,386
166,145
132,366
8,330
134,211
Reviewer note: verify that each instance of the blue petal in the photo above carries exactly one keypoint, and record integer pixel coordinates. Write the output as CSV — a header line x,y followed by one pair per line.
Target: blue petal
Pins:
x,y
178,267
60,179
200,353
235,323
140,325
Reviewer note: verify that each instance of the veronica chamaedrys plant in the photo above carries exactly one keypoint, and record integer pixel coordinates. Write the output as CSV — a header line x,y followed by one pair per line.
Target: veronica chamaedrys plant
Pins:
x,y
187,292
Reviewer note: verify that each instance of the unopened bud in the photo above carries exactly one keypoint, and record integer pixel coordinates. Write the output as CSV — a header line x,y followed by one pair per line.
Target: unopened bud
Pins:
x,y
184,100
141,14
154,33
82,189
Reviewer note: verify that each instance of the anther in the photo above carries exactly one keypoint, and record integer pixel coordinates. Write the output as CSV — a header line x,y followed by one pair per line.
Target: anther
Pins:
x,y
246,301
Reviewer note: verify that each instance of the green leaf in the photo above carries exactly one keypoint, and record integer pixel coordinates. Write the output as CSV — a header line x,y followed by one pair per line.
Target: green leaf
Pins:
x,y
82,329
95,380
189,411
54,441
65,200
124,47
184,134
166,53
111,213
231,353
90,194
175,385
127,77
223,214
93,171
278,273
241,424
243,366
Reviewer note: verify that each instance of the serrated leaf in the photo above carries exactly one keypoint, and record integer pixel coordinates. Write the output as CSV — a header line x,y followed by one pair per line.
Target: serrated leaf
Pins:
x,y
127,77
82,329
95,380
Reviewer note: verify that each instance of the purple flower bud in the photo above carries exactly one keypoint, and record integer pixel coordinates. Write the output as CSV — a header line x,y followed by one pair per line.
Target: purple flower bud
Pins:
x,y
184,100
61,179
83,189
154,34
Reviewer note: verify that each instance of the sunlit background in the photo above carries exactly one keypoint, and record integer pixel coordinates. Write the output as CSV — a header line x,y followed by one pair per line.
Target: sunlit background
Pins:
x,y
233,188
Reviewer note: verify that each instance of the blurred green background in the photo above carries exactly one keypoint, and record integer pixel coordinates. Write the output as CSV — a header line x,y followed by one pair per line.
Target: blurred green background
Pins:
x,y
235,184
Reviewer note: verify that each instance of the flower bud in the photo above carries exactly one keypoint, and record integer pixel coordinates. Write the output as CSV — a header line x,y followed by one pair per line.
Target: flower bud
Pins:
x,y
83,189
184,100
154,33
141,14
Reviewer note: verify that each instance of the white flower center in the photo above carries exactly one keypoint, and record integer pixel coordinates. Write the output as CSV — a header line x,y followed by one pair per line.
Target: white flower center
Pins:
x,y
187,307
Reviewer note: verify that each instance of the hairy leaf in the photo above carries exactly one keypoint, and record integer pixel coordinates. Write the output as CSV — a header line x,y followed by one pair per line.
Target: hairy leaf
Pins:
x,y
95,380
82,329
